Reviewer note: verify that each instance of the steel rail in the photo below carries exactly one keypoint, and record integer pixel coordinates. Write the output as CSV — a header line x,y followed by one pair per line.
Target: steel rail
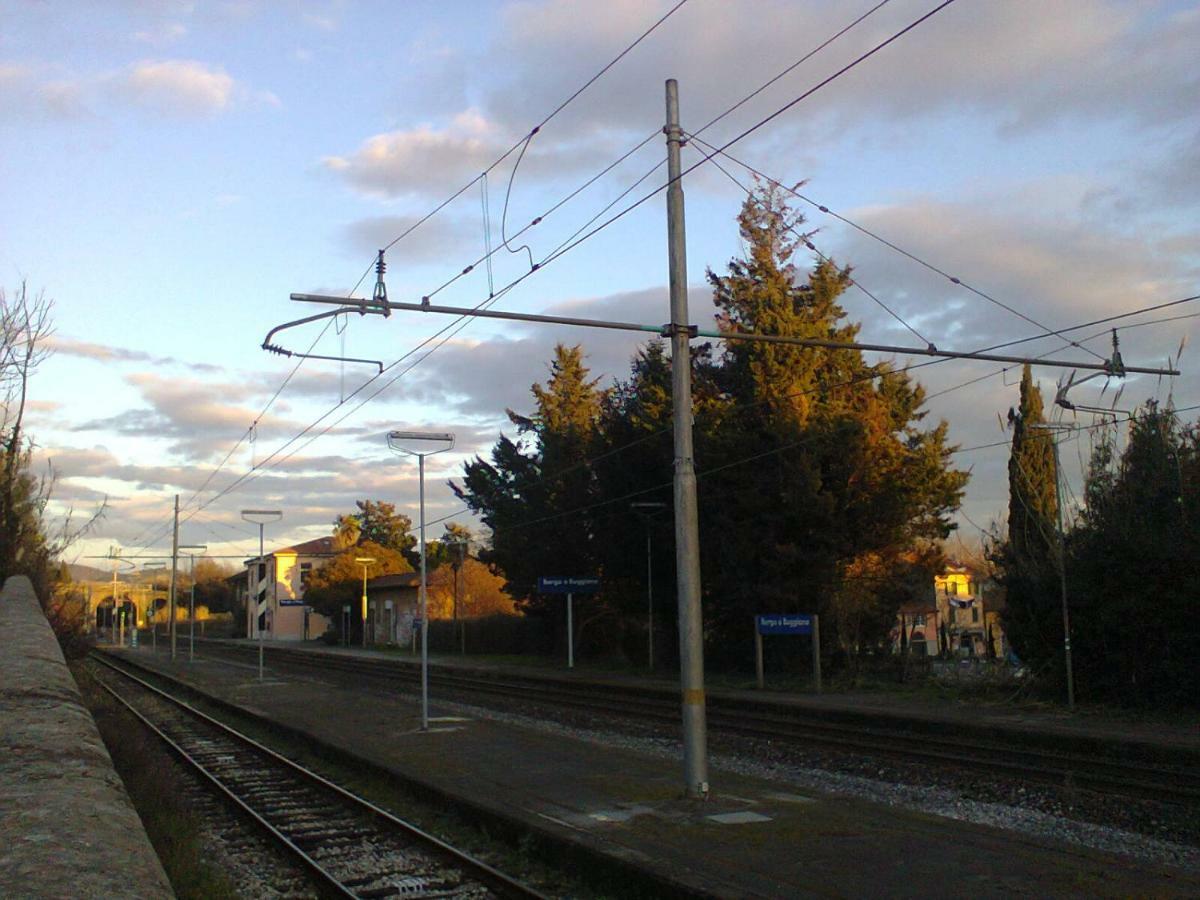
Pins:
x,y
474,869
1071,768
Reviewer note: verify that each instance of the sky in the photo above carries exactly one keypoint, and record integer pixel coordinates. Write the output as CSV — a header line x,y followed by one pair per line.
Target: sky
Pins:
x,y
172,171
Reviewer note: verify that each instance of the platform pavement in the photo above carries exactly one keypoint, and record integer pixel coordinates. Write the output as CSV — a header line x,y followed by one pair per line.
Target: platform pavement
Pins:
x,y
751,838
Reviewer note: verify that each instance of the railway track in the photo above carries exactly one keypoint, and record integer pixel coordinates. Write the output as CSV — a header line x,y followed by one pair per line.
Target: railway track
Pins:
x,y
1041,758
349,846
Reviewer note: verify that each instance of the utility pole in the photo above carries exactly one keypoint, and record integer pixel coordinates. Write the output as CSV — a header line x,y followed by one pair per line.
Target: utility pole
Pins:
x,y
1062,580
687,530
174,572
113,635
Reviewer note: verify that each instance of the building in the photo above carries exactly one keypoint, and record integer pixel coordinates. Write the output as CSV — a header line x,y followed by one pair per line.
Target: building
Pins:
x,y
393,608
276,582
961,619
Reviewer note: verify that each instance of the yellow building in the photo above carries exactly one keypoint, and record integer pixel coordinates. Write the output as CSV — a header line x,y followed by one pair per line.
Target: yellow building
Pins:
x,y
277,581
961,619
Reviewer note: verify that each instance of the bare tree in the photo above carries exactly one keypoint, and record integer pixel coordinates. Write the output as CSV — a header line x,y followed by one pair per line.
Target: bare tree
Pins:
x,y
25,545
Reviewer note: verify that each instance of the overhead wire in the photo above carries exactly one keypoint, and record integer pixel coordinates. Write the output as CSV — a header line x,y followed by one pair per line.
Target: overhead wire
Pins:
x,y
564,249
869,375
906,253
807,241
454,196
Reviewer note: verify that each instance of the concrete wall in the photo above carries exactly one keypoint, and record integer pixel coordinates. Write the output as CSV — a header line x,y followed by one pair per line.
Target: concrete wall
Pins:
x,y
67,827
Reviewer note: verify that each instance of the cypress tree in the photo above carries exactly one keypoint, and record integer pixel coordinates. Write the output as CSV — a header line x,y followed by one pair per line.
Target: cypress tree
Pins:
x,y
1032,502
1027,563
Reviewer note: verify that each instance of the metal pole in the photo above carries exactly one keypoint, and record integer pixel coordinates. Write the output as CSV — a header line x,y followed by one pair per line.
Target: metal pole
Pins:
x,y
260,619
424,605
174,572
758,657
192,614
1062,581
649,602
816,642
364,607
687,531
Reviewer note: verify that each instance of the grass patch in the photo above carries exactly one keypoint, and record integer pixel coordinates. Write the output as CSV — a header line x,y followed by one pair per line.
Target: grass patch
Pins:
x,y
158,791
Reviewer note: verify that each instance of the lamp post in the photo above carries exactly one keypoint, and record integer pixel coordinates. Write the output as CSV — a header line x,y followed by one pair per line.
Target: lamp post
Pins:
x,y
647,510
403,442
261,517
365,562
192,598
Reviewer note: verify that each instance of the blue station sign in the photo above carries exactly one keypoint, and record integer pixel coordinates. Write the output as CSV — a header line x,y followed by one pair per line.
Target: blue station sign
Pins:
x,y
567,585
784,624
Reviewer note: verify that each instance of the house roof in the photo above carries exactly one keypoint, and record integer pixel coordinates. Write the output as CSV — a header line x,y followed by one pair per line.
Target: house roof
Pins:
x,y
322,546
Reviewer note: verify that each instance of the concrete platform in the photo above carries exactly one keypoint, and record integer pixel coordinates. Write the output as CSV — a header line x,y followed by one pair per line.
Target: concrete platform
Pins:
x,y
752,838
67,826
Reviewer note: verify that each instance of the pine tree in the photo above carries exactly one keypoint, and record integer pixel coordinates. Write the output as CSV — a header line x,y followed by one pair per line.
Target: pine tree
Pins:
x,y
855,485
534,492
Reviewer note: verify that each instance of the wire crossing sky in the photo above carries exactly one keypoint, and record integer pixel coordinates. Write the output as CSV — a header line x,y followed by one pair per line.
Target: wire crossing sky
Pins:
x,y
174,170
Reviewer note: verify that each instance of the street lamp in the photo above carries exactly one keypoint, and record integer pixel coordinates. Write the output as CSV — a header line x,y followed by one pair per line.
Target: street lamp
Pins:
x,y
647,510
192,598
365,562
261,517
402,442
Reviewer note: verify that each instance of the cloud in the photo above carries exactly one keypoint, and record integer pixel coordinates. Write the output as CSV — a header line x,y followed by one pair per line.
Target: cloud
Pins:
x,y
161,34
173,87
177,87
196,419
33,91
108,353
1058,270
436,239
1015,66
482,378
422,160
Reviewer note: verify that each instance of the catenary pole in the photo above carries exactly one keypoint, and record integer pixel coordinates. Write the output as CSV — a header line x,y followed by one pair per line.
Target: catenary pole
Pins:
x,y
1062,580
424,604
687,531
174,572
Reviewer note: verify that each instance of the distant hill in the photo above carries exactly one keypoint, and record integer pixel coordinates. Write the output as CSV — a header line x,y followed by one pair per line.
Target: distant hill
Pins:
x,y
80,572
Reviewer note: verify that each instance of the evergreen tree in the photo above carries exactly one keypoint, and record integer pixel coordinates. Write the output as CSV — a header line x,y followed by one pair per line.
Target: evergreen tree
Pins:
x,y
1027,563
1032,500
848,482
813,465
534,492
1133,563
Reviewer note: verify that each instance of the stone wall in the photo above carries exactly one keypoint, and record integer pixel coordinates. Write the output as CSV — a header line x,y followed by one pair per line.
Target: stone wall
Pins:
x,y
67,827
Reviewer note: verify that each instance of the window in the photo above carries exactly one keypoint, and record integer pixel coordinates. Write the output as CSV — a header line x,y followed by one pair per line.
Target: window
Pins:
x,y
262,572
975,614
305,573
919,620
952,588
